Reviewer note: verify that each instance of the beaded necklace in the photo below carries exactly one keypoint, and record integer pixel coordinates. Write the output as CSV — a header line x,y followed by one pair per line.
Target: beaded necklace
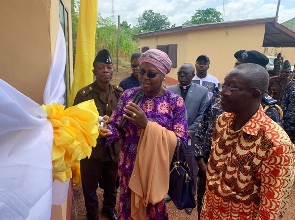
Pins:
x,y
151,99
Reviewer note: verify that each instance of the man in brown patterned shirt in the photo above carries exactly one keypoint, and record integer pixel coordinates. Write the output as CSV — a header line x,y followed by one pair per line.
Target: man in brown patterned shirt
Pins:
x,y
250,170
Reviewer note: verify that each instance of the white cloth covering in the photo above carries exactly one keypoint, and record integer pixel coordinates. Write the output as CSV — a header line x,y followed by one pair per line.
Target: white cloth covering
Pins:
x,y
26,138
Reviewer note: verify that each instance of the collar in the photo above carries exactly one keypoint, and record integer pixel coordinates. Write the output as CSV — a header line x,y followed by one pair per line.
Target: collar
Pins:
x,y
97,89
185,87
253,126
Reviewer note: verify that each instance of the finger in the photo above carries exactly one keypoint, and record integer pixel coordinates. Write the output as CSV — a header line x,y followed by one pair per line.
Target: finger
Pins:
x,y
130,110
134,106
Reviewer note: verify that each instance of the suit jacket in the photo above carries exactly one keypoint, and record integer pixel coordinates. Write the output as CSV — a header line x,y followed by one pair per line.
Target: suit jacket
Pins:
x,y
196,102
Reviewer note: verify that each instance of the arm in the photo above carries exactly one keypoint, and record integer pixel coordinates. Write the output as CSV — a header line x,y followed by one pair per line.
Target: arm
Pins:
x,y
179,120
193,127
277,176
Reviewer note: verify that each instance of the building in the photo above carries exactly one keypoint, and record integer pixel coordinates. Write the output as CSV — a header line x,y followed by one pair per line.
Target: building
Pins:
x,y
220,41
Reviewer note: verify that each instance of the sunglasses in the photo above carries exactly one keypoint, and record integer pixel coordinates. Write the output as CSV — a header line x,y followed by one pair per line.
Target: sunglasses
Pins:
x,y
180,73
149,74
134,66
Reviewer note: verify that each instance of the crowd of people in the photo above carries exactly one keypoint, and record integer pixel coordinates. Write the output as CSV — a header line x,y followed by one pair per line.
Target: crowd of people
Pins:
x,y
239,137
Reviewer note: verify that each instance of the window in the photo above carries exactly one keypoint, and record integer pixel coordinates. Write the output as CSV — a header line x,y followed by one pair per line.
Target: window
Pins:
x,y
64,21
171,50
143,49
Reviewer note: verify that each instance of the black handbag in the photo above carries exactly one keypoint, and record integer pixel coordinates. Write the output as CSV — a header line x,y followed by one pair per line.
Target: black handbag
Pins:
x,y
180,183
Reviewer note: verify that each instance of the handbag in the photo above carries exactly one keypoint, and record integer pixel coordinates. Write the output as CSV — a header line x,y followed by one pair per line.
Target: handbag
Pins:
x,y
180,183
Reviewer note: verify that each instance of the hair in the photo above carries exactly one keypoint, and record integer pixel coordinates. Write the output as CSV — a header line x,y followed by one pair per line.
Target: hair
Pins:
x,y
256,75
135,55
190,67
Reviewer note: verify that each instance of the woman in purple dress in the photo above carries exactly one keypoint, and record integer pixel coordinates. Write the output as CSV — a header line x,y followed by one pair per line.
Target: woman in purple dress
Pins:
x,y
157,105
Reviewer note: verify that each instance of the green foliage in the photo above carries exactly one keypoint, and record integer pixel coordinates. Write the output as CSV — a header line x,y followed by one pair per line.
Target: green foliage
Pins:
x,y
74,12
107,35
151,21
209,15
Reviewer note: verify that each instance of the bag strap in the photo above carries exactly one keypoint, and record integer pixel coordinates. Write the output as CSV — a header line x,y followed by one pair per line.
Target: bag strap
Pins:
x,y
183,149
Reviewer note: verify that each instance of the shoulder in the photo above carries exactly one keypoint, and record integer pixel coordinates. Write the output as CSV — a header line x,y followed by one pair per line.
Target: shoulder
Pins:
x,y
85,90
276,134
172,88
125,80
273,78
212,78
118,88
199,87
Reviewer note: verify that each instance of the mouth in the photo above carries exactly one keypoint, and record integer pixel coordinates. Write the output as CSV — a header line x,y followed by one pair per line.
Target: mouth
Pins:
x,y
145,85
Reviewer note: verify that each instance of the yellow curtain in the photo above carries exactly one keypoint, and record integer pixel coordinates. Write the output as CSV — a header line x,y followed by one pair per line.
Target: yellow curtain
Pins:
x,y
85,46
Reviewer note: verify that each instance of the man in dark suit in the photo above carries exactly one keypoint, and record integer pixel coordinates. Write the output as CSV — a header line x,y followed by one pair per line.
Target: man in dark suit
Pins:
x,y
196,100
103,162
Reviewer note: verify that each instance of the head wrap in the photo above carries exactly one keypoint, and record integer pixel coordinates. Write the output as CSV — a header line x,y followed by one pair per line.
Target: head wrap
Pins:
x,y
103,56
251,56
157,58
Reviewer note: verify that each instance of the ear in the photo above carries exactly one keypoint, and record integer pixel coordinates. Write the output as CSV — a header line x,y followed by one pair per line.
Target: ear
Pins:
x,y
256,93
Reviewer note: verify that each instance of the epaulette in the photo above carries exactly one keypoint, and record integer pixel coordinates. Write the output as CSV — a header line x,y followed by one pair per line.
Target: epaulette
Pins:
x,y
268,100
84,91
118,88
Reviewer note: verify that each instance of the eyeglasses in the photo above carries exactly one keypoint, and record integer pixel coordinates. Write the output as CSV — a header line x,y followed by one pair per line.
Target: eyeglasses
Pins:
x,y
229,89
180,73
134,66
149,74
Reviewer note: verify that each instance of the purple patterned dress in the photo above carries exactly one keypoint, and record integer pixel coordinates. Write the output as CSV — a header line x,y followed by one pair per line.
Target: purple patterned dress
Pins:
x,y
168,111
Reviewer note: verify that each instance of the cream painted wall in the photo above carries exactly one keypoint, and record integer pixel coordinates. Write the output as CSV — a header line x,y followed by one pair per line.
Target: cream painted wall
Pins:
x,y
181,41
287,53
219,44
25,45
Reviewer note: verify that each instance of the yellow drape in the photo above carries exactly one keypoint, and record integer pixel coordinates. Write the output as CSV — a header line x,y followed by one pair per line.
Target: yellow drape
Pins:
x,y
85,46
75,132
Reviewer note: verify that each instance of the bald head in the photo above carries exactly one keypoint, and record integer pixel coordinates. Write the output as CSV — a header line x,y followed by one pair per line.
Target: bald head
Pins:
x,y
189,67
256,75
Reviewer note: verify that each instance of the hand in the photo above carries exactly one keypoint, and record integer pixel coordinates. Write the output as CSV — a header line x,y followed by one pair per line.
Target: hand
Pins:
x,y
137,115
104,132
202,166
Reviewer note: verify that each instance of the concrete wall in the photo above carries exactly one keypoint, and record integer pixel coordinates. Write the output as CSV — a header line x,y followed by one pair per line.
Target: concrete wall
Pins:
x,y
219,44
25,45
27,42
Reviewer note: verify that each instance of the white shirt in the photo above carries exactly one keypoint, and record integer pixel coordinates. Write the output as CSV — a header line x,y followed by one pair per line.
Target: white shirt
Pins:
x,y
202,81
208,78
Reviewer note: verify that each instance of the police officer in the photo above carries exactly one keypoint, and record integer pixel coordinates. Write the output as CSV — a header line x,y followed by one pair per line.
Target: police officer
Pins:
x,y
132,80
278,83
288,106
103,162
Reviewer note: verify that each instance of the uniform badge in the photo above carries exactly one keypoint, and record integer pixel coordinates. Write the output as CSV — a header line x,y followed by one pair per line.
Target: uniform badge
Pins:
x,y
244,55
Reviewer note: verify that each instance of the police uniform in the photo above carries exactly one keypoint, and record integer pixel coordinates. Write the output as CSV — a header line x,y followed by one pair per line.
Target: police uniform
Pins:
x,y
288,106
276,88
277,85
271,108
102,166
129,82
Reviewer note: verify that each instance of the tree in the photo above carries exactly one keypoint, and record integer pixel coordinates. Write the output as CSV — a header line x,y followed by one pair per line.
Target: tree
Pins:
x,y
151,21
209,15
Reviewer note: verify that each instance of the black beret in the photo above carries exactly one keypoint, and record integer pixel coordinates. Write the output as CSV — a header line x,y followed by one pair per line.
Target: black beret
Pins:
x,y
286,64
103,56
251,56
203,57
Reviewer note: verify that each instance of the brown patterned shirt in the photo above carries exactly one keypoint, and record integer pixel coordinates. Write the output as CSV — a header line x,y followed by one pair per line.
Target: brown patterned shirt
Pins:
x,y
250,171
